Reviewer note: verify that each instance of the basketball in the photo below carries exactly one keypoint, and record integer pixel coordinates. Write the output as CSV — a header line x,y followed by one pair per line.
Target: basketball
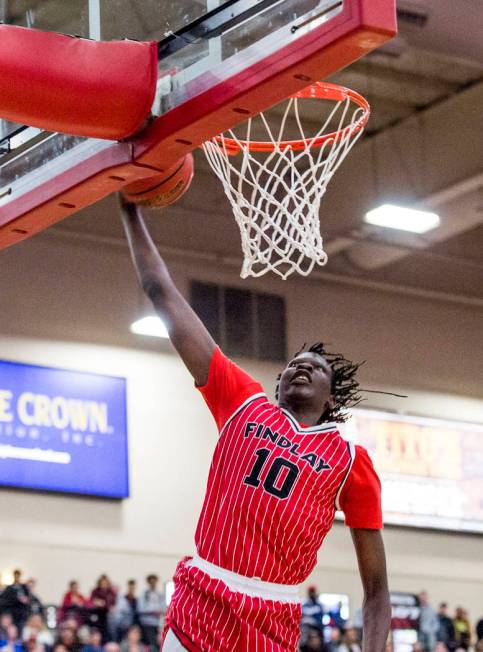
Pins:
x,y
163,189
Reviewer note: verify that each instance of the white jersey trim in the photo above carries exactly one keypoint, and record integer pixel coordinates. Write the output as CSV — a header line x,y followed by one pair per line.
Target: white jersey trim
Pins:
x,y
250,586
243,405
321,427
352,453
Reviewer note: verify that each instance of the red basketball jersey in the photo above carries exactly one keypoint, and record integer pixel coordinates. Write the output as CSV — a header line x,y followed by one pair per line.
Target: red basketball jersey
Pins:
x,y
274,485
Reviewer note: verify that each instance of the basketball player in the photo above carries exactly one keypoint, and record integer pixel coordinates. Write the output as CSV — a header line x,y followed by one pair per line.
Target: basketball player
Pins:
x,y
277,476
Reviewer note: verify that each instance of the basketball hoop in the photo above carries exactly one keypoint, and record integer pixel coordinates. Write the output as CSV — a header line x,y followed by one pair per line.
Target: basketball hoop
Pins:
x,y
275,185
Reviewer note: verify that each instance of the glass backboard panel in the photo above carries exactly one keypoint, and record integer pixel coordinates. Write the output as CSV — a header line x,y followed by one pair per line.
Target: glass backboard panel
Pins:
x,y
233,37
220,51
149,19
202,43
70,17
35,152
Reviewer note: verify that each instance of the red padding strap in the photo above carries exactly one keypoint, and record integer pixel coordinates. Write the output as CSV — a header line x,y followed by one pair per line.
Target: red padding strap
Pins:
x,y
99,89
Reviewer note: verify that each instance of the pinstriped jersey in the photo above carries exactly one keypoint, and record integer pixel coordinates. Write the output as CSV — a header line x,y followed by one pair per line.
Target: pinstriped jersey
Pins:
x,y
273,484
271,494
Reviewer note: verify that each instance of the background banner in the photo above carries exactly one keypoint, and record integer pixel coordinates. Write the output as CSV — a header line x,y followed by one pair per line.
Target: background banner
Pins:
x,y
431,469
63,431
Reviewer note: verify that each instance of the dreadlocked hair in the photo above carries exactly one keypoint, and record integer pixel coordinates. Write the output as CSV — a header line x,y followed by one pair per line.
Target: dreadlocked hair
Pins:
x,y
345,388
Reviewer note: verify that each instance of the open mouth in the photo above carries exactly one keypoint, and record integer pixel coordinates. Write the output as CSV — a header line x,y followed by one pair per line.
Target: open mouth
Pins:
x,y
301,377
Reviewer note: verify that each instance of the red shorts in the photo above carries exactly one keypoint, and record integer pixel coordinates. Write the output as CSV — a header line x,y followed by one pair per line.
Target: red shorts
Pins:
x,y
206,615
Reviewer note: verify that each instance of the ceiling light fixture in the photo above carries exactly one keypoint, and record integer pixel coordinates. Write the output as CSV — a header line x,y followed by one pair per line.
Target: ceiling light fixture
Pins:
x,y
151,325
390,216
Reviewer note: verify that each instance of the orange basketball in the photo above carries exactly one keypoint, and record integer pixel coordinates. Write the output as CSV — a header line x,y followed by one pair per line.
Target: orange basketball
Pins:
x,y
164,188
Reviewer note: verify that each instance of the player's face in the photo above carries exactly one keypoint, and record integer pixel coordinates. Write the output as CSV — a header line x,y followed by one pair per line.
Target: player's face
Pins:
x,y
307,379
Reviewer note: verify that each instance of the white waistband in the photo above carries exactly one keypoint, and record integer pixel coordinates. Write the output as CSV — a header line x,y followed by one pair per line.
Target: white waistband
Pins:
x,y
250,586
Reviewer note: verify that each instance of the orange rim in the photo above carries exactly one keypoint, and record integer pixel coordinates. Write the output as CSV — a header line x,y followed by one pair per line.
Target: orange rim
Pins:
x,y
317,91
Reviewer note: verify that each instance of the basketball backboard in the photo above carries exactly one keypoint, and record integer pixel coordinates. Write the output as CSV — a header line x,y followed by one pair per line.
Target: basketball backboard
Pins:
x,y
219,63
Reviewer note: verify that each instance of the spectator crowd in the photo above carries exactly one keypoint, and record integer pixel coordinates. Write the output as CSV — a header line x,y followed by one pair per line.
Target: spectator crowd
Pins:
x,y
439,631
106,620
109,620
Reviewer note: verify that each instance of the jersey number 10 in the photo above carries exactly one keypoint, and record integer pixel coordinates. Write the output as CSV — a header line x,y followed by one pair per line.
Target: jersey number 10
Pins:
x,y
276,467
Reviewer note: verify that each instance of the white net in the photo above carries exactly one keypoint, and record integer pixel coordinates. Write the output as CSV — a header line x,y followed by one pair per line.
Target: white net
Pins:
x,y
276,194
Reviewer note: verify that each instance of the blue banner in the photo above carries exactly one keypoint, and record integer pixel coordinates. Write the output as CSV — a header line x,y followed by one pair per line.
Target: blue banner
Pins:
x,y
63,431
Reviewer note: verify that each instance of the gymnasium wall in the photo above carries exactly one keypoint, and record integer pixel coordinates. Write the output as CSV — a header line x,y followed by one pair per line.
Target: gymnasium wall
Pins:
x,y
67,302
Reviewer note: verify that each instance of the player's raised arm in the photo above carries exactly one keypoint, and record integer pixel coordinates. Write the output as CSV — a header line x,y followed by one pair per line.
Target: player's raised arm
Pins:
x,y
376,607
186,331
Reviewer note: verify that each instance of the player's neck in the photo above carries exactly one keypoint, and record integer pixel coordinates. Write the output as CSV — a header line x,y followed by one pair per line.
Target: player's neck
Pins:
x,y
302,414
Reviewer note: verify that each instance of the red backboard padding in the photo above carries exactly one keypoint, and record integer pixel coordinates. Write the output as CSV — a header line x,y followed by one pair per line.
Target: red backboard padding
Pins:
x,y
73,85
